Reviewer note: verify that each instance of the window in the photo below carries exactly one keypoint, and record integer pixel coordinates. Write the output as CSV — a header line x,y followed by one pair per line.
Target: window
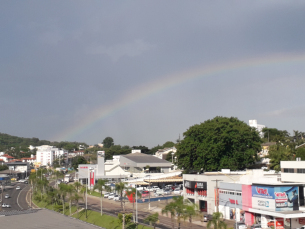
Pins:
x,y
288,170
300,170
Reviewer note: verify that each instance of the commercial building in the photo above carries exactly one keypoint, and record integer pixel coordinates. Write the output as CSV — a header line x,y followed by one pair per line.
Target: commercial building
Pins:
x,y
254,197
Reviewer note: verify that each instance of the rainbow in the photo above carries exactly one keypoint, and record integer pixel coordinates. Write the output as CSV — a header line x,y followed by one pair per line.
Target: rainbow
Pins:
x,y
143,91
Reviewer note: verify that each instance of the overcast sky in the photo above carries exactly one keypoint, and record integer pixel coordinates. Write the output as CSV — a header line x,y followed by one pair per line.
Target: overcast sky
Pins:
x,y
137,70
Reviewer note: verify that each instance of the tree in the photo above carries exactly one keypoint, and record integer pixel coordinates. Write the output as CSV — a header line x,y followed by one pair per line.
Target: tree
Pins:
x,y
278,153
107,142
168,144
3,167
175,208
132,193
301,153
219,143
190,210
119,187
275,135
78,160
152,219
216,222
100,184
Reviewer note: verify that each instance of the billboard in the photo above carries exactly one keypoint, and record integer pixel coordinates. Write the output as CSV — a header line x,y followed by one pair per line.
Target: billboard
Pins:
x,y
276,198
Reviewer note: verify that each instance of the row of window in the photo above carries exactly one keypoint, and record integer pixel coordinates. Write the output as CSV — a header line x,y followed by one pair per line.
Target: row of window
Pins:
x,y
292,170
230,192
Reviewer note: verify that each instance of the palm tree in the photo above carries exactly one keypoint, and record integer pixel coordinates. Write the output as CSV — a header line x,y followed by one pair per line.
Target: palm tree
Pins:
x,y
63,192
133,193
76,198
77,185
152,219
170,209
190,210
119,187
175,208
216,222
70,190
100,186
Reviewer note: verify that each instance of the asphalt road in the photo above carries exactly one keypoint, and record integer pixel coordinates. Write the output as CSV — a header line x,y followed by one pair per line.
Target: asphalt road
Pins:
x,y
17,198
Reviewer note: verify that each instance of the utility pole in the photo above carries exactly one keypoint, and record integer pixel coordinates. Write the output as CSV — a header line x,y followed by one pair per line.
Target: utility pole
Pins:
x,y
217,195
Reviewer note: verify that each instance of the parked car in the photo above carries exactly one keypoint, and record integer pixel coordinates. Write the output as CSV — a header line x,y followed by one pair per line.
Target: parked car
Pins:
x,y
205,218
6,205
111,195
123,198
150,189
18,188
256,226
155,188
270,224
169,186
145,192
106,195
159,192
177,191
240,226
26,182
116,197
7,196
167,191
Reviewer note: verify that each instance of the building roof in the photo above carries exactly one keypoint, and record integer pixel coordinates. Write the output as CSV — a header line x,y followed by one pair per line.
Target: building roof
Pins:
x,y
144,158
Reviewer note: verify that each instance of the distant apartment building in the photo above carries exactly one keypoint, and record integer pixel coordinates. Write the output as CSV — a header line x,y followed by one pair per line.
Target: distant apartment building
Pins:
x,y
46,154
259,127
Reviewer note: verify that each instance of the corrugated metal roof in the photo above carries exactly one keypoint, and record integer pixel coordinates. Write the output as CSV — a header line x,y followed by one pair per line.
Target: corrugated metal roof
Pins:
x,y
144,158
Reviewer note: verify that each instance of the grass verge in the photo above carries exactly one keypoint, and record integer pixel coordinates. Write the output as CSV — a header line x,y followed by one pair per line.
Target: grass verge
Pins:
x,y
106,221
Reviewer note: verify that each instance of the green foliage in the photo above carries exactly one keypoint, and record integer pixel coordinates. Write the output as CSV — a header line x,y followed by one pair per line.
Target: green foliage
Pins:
x,y
170,157
107,142
3,167
275,135
168,144
152,219
78,160
128,218
301,153
217,144
278,153
217,222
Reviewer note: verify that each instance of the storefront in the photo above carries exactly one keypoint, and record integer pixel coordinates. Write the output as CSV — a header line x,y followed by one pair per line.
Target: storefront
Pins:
x,y
276,206
230,201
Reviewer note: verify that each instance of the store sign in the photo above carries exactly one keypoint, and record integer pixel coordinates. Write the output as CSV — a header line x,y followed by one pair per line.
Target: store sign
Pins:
x,y
302,221
201,185
83,167
233,201
280,198
189,184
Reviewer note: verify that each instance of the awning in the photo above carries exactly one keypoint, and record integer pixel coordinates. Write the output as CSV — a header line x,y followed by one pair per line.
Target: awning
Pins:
x,y
286,215
164,180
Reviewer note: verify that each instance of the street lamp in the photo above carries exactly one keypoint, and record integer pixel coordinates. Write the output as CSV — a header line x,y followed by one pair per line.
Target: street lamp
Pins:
x,y
149,194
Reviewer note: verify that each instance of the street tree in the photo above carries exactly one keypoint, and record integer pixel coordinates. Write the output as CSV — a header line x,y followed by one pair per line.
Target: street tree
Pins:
x,y
100,185
78,160
219,143
152,219
216,222
107,142
120,187
132,194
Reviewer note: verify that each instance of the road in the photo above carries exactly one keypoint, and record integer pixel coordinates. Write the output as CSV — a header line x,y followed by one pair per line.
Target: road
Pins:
x,y
17,198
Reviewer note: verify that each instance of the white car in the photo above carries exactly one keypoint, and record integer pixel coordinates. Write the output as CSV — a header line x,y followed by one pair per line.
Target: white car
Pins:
x,y
177,191
111,195
18,188
167,191
159,192
21,181
150,189
155,188
6,205
106,195
7,196
116,197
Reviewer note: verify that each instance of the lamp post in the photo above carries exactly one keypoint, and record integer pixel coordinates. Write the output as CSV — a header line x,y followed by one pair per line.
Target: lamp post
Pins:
x,y
149,195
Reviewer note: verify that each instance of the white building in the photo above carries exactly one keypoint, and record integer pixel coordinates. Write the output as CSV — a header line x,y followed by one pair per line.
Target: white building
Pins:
x,y
46,154
259,127
162,153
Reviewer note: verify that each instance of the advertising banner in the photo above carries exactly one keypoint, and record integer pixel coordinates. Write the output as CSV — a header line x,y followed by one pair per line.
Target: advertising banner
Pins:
x,y
278,198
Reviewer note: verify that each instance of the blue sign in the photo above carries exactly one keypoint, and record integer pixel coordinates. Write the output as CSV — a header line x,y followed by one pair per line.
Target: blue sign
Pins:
x,y
263,192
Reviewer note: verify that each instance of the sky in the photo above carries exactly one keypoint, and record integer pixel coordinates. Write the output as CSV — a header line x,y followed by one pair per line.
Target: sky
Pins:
x,y
143,72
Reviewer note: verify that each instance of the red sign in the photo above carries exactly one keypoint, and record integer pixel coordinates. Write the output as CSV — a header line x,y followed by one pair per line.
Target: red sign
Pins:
x,y
302,221
262,191
83,167
280,223
233,201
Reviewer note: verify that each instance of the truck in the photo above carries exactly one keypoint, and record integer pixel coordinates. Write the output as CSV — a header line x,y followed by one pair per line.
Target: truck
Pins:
x,y
68,178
